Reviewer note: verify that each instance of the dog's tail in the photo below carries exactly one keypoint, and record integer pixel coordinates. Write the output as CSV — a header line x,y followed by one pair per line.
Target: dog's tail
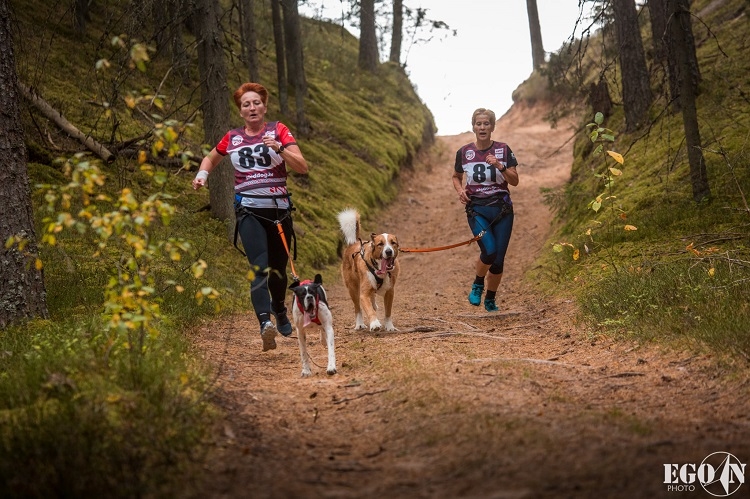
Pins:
x,y
349,222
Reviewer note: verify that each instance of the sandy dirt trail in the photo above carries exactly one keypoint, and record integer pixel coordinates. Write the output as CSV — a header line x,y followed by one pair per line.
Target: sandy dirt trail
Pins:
x,y
461,403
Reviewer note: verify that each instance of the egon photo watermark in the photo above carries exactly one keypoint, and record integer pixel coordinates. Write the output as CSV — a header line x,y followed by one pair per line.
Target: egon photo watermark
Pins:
x,y
720,474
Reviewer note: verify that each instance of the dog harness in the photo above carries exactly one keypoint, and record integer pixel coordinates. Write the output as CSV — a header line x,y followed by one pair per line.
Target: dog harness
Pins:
x,y
370,266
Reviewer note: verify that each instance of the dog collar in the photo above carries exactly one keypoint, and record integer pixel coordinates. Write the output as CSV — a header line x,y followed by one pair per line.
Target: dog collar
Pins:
x,y
371,267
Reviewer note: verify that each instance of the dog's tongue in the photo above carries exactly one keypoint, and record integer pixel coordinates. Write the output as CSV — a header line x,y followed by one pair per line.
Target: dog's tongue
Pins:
x,y
383,266
308,319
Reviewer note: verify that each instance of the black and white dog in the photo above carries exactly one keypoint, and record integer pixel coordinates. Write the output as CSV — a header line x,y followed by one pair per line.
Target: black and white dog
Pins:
x,y
311,307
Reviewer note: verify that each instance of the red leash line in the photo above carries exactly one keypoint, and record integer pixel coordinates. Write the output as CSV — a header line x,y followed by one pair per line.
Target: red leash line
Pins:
x,y
441,248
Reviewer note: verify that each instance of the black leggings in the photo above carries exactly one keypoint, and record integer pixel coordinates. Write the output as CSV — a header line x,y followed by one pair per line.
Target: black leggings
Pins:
x,y
268,257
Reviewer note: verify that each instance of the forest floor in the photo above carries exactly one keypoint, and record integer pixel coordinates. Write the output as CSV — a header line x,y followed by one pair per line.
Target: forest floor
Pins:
x,y
525,402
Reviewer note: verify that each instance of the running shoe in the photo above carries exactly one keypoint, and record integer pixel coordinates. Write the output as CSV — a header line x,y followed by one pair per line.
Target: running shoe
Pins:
x,y
268,333
283,324
475,297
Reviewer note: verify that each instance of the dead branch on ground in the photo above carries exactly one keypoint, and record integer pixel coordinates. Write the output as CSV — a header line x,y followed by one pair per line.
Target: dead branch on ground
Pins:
x,y
534,361
341,401
53,115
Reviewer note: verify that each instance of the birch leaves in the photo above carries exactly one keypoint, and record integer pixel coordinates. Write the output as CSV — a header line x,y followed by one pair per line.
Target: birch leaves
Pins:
x,y
602,135
611,220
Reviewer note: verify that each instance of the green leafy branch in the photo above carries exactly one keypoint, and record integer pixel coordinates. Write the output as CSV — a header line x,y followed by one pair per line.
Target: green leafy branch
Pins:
x,y
122,226
603,136
162,140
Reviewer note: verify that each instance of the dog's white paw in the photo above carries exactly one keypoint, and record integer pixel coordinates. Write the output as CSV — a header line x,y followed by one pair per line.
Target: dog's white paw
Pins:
x,y
375,325
359,322
306,373
331,370
389,326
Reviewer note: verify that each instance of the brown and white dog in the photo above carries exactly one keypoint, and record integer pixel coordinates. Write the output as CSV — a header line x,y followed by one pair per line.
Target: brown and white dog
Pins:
x,y
310,307
369,268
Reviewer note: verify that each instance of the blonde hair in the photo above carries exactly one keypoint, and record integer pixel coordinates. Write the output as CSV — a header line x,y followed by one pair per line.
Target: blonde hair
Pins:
x,y
490,114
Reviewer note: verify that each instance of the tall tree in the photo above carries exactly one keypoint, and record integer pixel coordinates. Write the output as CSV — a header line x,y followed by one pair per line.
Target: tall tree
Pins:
x,y
291,41
397,33
657,12
599,98
537,47
22,293
81,14
278,38
215,103
295,62
180,60
636,87
689,41
679,24
249,37
660,14
368,40
160,21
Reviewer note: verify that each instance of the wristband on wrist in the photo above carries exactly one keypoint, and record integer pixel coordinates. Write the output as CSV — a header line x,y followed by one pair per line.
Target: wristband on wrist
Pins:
x,y
281,148
202,174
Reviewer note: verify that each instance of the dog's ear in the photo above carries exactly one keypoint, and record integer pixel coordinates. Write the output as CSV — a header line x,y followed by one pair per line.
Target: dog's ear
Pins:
x,y
294,284
321,293
318,279
372,236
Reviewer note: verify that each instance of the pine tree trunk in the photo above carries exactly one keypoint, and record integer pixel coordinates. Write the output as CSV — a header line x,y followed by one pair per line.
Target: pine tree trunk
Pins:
x,y
22,293
657,10
368,40
636,87
599,98
397,34
215,104
537,47
290,42
692,57
180,62
249,38
678,25
81,14
159,22
689,44
295,63
278,38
